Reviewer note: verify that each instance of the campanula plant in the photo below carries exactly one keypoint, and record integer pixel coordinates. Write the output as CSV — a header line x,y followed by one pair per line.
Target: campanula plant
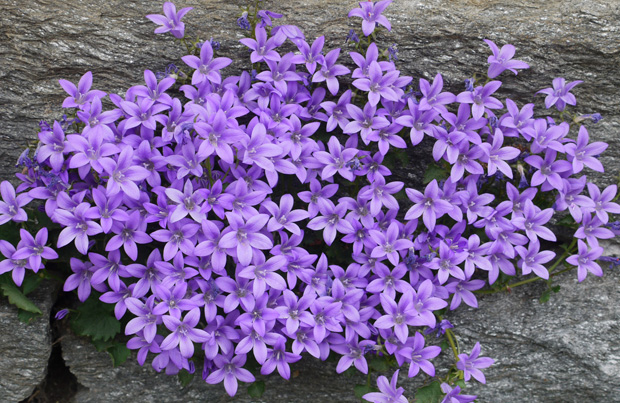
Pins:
x,y
235,224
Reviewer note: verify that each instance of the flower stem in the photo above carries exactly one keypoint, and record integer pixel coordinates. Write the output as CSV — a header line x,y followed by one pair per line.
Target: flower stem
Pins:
x,y
450,336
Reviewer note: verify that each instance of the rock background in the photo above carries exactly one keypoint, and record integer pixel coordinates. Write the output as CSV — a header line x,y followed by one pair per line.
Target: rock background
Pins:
x,y
25,348
566,349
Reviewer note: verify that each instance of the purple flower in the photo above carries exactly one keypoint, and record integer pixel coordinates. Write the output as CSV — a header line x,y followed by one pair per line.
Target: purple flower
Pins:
x,y
17,267
284,216
184,333
429,205
229,370
601,202
245,237
128,234
148,316
80,279
263,48
496,155
389,244
370,13
559,95
532,259
502,60
471,364
11,206
206,67
34,249
454,396
331,221
124,174
377,85
389,393
329,70
481,98
586,260
170,21
279,358
582,153
420,356
79,225
549,170
264,273
433,98
80,95
53,148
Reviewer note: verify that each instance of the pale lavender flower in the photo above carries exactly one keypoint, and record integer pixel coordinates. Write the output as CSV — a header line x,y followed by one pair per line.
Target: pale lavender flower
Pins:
x,y
370,13
80,279
582,153
502,60
454,396
184,333
559,95
230,369
11,205
34,249
586,260
471,364
81,95
330,70
389,393
532,259
171,20
205,66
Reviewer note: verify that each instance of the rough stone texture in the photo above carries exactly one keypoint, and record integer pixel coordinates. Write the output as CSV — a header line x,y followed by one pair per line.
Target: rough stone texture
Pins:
x,y
312,381
24,348
565,341
565,350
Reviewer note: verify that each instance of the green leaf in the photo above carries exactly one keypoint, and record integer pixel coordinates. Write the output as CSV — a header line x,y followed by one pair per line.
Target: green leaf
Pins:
x,y
27,317
31,283
434,171
184,377
119,353
379,364
545,296
256,389
430,393
361,390
96,320
10,232
555,288
16,297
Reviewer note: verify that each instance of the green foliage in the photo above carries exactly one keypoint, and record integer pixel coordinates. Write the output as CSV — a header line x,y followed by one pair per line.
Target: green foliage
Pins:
x,y
27,317
547,294
117,350
96,320
10,232
16,296
256,389
434,171
430,393
185,377
361,390
31,283
379,364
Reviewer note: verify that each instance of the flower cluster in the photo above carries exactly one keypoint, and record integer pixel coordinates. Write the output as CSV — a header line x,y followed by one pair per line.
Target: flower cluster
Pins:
x,y
204,212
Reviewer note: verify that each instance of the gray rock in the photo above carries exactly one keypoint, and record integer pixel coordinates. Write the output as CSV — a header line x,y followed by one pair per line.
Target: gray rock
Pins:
x,y
24,347
565,350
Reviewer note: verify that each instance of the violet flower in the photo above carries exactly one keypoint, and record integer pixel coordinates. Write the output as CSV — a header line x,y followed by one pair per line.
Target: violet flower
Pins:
x,y
34,249
171,20
586,260
81,95
206,67
11,205
370,13
559,95
471,364
389,393
502,60
230,370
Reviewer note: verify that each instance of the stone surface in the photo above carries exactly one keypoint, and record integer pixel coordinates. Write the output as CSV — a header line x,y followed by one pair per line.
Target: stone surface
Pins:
x,y
312,381
24,347
559,351
565,350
